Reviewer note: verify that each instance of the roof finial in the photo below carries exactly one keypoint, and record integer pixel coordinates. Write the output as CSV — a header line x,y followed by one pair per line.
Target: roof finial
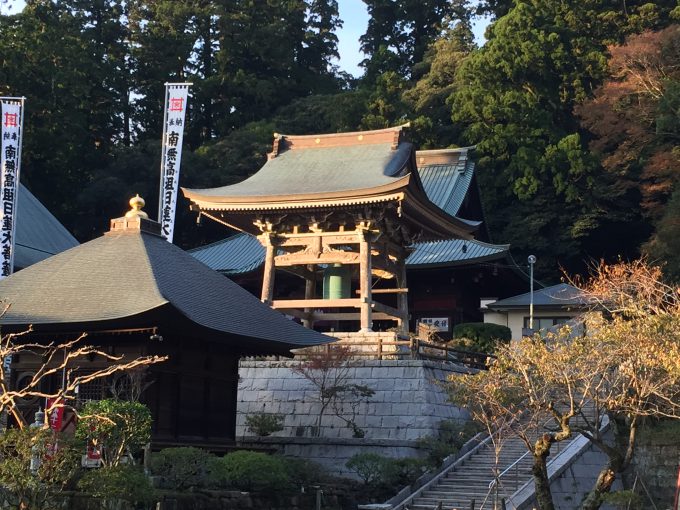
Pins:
x,y
137,203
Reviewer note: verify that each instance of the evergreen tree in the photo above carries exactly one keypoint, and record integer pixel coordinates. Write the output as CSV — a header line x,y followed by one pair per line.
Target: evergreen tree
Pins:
x,y
400,31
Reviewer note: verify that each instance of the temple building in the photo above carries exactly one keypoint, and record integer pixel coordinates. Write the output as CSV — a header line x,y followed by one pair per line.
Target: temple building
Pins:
x,y
363,219
135,294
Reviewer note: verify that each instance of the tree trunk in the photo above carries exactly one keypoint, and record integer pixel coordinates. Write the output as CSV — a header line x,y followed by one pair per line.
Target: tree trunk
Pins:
x,y
603,485
540,472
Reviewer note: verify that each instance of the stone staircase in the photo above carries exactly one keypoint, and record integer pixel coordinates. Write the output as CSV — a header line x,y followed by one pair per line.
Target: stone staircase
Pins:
x,y
469,482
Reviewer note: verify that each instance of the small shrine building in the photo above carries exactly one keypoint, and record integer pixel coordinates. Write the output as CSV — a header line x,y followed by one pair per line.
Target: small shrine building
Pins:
x,y
346,205
354,210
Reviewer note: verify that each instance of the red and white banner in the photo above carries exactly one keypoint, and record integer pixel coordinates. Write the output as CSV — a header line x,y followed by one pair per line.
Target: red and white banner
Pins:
x,y
176,96
11,125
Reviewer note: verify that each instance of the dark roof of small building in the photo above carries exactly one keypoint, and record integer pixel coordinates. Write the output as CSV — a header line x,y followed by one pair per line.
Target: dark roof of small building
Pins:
x,y
562,295
38,233
126,274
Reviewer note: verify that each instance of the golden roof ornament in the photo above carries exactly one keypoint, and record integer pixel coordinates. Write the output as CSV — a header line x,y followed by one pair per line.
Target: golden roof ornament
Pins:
x,y
136,203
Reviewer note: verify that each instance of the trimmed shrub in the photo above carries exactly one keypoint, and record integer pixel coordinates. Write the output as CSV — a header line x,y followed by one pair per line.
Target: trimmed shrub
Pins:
x,y
481,336
373,469
125,482
182,468
385,474
122,427
252,471
303,472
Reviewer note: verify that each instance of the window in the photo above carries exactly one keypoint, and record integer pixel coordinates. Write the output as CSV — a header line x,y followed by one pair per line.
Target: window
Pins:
x,y
545,322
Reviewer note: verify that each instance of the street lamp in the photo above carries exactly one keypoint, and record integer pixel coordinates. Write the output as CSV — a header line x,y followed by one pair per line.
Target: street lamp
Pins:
x,y
532,261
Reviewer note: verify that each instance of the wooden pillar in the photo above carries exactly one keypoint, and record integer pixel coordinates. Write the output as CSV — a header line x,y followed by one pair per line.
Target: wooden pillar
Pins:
x,y
310,293
402,297
365,281
269,271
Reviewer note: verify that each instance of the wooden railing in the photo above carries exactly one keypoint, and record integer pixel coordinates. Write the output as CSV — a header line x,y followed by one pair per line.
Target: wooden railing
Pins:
x,y
413,348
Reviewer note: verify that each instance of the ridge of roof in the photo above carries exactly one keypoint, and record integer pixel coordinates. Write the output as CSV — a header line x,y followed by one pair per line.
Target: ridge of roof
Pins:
x,y
282,142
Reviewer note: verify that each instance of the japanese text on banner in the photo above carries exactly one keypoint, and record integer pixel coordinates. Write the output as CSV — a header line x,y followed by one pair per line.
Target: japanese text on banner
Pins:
x,y
10,160
173,132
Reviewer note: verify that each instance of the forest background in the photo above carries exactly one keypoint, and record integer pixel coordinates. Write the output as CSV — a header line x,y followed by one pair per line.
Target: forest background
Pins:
x,y
573,105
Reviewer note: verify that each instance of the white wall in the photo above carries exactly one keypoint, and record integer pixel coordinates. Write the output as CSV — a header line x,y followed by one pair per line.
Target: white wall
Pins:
x,y
515,319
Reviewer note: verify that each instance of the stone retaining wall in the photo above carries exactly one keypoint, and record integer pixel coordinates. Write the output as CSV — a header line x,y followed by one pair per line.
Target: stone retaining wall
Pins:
x,y
408,403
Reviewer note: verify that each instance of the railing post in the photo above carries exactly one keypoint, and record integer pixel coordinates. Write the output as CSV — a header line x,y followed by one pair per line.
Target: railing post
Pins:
x,y
380,348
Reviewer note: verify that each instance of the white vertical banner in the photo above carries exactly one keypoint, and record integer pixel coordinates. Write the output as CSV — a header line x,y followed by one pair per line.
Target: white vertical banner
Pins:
x,y
176,96
11,127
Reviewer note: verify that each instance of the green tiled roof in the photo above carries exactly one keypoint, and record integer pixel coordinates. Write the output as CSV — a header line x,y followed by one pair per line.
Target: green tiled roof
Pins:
x,y
240,253
243,253
447,185
454,252
322,170
38,233
120,277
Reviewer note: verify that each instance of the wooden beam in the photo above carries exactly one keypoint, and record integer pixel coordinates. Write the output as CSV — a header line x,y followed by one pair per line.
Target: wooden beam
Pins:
x,y
393,312
334,316
304,258
386,291
365,278
316,303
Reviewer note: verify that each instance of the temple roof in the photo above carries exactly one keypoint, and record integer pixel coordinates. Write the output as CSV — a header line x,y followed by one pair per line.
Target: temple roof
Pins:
x,y
243,253
446,175
454,252
131,277
327,171
38,233
331,171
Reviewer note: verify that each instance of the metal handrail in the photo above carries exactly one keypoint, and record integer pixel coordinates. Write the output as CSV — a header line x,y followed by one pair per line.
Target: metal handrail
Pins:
x,y
495,480
446,470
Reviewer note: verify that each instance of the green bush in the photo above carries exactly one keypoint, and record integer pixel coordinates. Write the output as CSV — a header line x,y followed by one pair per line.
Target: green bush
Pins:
x,y
252,471
122,427
124,482
450,439
386,474
21,487
302,473
406,471
182,468
480,336
264,424
373,469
